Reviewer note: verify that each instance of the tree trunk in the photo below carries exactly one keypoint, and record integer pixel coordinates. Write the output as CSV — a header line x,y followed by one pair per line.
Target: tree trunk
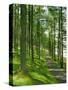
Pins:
x,y
31,22
23,37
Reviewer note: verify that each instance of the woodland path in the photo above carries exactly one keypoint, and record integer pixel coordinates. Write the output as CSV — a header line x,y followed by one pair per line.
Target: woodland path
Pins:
x,y
55,70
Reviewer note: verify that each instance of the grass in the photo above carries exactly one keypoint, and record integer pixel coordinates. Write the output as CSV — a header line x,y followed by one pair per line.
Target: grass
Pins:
x,y
35,76
32,78
38,72
41,78
21,79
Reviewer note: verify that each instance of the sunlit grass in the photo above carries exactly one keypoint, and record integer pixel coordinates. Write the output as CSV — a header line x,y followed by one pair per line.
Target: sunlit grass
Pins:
x,y
21,79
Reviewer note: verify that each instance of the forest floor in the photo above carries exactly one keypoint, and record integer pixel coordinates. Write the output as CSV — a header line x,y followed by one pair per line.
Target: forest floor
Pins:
x,y
44,73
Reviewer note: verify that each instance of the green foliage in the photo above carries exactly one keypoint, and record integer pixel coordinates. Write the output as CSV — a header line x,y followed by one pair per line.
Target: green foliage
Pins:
x,y
38,34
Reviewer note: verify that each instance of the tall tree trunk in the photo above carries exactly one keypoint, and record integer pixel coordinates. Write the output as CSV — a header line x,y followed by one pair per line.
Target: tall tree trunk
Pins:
x,y
61,60
14,28
60,39
38,38
23,37
38,34
54,38
59,46
31,22
29,28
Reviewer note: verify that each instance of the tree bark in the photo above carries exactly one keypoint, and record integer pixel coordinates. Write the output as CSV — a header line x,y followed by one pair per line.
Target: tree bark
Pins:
x,y
23,37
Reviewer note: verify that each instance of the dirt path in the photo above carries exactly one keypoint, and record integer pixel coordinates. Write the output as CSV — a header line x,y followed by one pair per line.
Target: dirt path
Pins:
x,y
55,70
